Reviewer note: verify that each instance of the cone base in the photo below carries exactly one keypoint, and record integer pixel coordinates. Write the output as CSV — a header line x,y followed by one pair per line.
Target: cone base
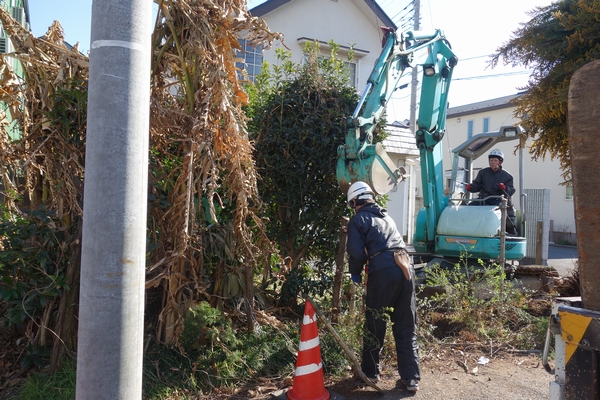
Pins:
x,y
283,395
312,396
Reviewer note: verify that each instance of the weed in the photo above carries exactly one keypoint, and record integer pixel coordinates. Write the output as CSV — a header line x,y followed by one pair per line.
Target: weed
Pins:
x,y
478,304
58,386
216,355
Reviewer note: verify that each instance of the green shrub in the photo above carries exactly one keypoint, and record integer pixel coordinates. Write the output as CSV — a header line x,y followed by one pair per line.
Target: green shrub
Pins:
x,y
33,262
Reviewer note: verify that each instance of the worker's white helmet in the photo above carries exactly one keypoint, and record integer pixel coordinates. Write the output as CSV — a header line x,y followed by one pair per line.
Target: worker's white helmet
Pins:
x,y
497,153
358,191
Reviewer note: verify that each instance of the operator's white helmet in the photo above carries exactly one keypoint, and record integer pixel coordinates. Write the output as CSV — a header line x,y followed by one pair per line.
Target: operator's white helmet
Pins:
x,y
497,153
359,190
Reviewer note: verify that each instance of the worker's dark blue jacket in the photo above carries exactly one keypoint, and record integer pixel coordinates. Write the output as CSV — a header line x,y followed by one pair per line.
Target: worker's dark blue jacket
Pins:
x,y
371,231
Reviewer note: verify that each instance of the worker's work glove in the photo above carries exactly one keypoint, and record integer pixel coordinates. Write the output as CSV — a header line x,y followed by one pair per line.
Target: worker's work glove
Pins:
x,y
502,186
356,279
468,187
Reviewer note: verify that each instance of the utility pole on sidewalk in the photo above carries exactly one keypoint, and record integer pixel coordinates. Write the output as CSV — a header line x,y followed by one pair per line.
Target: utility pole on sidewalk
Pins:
x,y
111,307
414,84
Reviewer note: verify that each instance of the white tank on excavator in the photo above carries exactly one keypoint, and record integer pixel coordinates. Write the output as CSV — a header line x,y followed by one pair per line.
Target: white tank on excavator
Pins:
x,y
472,221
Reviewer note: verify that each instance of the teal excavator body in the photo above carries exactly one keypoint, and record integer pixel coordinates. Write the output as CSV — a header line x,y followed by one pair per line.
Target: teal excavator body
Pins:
x,y
443,228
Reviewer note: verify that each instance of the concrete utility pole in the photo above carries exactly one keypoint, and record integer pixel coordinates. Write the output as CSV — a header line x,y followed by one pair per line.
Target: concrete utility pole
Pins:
x,y
111,310
414,84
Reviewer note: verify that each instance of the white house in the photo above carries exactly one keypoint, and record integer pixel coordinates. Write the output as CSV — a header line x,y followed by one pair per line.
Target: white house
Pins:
x,y
355,23
348,23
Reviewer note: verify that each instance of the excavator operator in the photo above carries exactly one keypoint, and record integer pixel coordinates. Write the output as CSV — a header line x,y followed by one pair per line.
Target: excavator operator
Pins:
x,y
495,181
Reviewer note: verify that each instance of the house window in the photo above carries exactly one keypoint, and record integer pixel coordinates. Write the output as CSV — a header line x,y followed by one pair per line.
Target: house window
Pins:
x,y
470,127
569,192
253,59
486,124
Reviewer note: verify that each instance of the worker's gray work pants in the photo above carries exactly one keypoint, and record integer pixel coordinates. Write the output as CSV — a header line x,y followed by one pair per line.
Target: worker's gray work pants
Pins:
x,y
389,291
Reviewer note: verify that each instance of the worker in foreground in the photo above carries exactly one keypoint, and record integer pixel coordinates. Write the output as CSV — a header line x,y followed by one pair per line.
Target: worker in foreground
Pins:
x,y
373,239
495,181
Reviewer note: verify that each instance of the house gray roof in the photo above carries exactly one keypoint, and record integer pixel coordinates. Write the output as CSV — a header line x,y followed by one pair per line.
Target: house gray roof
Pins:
x,y
487,105
270,5
400,140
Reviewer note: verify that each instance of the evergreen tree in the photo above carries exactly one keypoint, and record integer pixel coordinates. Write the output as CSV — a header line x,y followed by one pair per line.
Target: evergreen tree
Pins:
x,y
558,40
298,116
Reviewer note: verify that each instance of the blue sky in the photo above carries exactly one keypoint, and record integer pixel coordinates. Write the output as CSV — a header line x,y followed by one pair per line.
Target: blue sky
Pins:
x,y
74,15
475,28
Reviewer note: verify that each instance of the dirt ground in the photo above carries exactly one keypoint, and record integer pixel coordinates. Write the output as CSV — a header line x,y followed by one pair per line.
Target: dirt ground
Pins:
x,y
506,377
448,374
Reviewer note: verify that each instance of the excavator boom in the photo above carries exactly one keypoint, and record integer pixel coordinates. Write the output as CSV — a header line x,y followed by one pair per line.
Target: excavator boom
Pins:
x,y
360,159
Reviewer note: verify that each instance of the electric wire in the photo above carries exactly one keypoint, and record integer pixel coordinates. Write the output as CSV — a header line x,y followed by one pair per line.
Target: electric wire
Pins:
x,y
411,3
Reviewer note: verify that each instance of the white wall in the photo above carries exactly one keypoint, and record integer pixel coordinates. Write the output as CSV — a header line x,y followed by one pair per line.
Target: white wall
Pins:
x,y
324,20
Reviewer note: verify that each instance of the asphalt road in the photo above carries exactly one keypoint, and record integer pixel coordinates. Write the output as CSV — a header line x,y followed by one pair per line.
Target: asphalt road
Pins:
x,y
562,258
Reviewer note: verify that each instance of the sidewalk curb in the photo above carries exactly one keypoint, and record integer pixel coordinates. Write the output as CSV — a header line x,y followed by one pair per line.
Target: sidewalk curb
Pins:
x,y
562,245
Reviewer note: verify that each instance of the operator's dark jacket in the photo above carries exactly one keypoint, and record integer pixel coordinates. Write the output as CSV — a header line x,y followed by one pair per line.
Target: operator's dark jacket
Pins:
x,y
372,228
487,181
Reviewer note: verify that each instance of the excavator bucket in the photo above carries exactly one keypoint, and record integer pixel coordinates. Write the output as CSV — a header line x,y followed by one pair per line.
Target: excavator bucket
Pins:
x,y
375,168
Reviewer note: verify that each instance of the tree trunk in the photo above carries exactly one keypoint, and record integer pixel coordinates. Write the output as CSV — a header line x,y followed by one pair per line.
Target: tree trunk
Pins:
x,y
249,293
339,272
66,324
584,100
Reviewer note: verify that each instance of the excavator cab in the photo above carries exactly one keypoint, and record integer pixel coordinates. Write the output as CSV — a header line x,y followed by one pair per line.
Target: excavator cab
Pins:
x,y
476,230
462,169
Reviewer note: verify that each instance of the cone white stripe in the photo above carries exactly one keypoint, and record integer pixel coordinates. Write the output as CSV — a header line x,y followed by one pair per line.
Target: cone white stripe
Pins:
x,y
308,369
308,320
309,344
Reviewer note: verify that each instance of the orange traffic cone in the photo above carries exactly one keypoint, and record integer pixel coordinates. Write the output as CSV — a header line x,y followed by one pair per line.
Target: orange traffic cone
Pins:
x,y
308,378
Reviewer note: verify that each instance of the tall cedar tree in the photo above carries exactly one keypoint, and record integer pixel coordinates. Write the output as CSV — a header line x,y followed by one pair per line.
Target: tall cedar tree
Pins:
x,y
558,40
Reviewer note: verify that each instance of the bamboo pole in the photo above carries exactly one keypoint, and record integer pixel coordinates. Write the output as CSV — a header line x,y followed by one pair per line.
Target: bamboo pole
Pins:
x,y
343,345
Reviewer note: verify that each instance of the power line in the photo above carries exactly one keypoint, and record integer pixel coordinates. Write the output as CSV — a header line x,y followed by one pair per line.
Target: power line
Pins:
x,y
386,3
492,76
409,14
406,96
473,58
402,10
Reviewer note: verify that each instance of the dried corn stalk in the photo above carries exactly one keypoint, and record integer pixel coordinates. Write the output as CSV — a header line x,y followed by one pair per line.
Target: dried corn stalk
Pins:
x,y
50,156
46,164
200,152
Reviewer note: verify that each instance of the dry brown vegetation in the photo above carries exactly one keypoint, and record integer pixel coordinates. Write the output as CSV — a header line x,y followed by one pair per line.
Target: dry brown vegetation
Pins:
x,y
203,197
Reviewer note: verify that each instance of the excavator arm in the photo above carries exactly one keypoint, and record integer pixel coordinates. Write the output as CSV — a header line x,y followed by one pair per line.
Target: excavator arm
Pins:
x,y
361,159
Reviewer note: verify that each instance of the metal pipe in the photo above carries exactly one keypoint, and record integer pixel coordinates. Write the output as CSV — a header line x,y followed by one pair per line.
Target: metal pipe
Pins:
x,y
521,190
503,206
